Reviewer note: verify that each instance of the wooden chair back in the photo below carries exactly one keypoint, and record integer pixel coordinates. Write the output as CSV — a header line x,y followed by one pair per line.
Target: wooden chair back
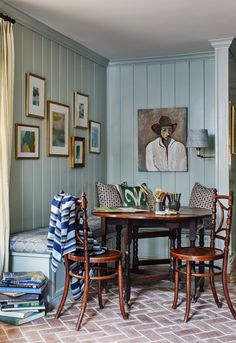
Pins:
x,y
221,224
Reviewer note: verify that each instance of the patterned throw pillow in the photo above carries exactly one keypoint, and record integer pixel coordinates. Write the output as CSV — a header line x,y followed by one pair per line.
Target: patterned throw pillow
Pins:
x,y
132,196
201,196
108,196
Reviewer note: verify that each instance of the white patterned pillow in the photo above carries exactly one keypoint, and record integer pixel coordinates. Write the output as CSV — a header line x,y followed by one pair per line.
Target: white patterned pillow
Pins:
x,y
108,195
201,196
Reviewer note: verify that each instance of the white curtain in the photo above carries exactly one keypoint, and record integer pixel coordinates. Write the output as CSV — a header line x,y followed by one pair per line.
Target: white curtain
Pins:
x,y
6,128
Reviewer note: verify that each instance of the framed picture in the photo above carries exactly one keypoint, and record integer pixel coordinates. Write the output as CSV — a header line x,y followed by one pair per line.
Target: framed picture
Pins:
x,y
80,110
35,96
58,129
233,131
27,141
94,137
77,152
162,135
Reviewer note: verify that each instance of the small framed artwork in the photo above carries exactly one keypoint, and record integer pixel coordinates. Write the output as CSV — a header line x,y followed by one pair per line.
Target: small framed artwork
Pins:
x,y
233,131
27,141
94,137
35,96
80,110
58,129
77,152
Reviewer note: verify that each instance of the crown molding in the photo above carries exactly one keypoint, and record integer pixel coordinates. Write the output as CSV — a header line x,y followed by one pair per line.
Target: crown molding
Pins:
x,y
46,31
221,42
164,59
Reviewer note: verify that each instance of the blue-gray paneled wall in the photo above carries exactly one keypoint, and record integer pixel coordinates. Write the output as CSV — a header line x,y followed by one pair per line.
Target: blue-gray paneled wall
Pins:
x,y
34,182
171,82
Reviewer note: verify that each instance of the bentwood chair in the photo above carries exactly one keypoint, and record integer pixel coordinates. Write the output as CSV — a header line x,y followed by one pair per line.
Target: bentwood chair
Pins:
x,y
196,257
89,263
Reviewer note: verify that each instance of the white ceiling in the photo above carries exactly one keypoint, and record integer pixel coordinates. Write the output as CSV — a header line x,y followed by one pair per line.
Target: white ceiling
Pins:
x,y
121,29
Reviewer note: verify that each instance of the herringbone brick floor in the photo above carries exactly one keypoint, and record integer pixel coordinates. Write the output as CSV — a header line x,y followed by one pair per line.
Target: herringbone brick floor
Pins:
x,y
151,319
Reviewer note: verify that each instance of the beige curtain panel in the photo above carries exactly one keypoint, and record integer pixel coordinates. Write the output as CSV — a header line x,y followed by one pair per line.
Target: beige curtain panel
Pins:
x,y
6,128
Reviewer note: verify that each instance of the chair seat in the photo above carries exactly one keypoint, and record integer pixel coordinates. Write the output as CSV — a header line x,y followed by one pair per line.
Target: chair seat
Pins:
x,y
111,255
197,254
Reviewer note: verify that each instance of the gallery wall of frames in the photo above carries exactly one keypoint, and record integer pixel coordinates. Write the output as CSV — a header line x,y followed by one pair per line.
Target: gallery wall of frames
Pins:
x,y
59,142
59,116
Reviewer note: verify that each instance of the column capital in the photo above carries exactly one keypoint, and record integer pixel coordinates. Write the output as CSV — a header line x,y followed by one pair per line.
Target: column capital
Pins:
x,y
221,42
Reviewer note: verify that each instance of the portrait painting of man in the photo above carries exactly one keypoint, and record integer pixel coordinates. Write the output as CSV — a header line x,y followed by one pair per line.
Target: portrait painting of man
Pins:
x,y
162,139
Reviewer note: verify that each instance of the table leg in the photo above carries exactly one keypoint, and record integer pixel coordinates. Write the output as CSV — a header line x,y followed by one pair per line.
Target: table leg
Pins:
x,y
127,261
135,250
104,231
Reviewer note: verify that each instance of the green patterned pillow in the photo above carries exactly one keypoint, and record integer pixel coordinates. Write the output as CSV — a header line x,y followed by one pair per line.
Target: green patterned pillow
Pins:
x,y
132,196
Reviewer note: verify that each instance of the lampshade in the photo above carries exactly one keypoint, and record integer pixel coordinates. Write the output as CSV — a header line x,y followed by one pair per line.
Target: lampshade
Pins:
x,y
197,138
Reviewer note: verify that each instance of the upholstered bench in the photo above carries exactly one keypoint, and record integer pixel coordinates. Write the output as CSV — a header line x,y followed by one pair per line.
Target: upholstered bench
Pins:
x,y
28,252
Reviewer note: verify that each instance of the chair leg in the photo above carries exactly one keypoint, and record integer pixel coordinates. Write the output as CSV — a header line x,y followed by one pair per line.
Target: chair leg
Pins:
x,y
176,283
226,291
188,291
99,289
66,288
213,287
84,302
121,291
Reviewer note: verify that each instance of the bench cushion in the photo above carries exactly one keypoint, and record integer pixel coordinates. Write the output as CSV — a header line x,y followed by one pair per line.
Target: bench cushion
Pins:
x,y
35,241
30,241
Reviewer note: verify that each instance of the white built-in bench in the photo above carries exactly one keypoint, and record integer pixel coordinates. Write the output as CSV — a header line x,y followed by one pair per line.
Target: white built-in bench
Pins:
x,y
28,252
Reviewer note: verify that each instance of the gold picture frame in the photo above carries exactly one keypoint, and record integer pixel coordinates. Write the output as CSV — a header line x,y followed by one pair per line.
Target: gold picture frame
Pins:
x,y
94,137
77,152
35,96
27,141
81,107
58,121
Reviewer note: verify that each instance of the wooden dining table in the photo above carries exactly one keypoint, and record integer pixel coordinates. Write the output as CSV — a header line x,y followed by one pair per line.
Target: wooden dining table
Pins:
x,y
187,218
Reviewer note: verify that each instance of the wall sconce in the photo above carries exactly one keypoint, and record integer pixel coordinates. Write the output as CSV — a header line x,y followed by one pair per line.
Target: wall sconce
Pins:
x,y
198,139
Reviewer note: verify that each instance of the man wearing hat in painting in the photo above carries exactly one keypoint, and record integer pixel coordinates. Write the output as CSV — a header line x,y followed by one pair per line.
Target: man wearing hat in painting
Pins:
x,y
165,153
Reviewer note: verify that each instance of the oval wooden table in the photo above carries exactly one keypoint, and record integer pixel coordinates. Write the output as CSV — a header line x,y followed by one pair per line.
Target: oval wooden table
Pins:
x,y
187,218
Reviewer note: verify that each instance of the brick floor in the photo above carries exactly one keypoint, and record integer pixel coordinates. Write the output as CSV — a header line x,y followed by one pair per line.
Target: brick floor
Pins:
x,y
151,319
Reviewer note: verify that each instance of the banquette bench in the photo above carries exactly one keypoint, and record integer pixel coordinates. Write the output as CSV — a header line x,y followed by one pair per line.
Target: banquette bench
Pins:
x,y
28,252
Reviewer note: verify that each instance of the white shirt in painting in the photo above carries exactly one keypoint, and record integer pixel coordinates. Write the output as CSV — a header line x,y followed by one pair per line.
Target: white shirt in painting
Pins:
x,y
162,158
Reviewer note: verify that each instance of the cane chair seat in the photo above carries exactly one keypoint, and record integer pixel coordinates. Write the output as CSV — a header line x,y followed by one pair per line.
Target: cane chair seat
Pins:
x,y
110,255
199,254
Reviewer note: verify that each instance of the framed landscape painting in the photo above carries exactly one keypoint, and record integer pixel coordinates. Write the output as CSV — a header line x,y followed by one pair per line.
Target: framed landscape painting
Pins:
x,y
35,96
77,152
27,141
80,110
58,129
94,137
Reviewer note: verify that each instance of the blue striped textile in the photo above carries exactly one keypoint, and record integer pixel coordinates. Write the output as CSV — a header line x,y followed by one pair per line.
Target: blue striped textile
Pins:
x,y
62,238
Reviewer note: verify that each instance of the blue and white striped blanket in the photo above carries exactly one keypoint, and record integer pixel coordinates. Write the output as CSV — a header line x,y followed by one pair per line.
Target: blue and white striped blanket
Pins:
x,y
62,238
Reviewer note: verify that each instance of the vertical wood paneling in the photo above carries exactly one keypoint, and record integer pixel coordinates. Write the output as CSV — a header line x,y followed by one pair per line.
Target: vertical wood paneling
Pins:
x,y
186,83
140,102
55,96
34,182
210,120
27,165
154,101
182,100
168,100
126,124
37,165
196,108
114,135
46,162
63,162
